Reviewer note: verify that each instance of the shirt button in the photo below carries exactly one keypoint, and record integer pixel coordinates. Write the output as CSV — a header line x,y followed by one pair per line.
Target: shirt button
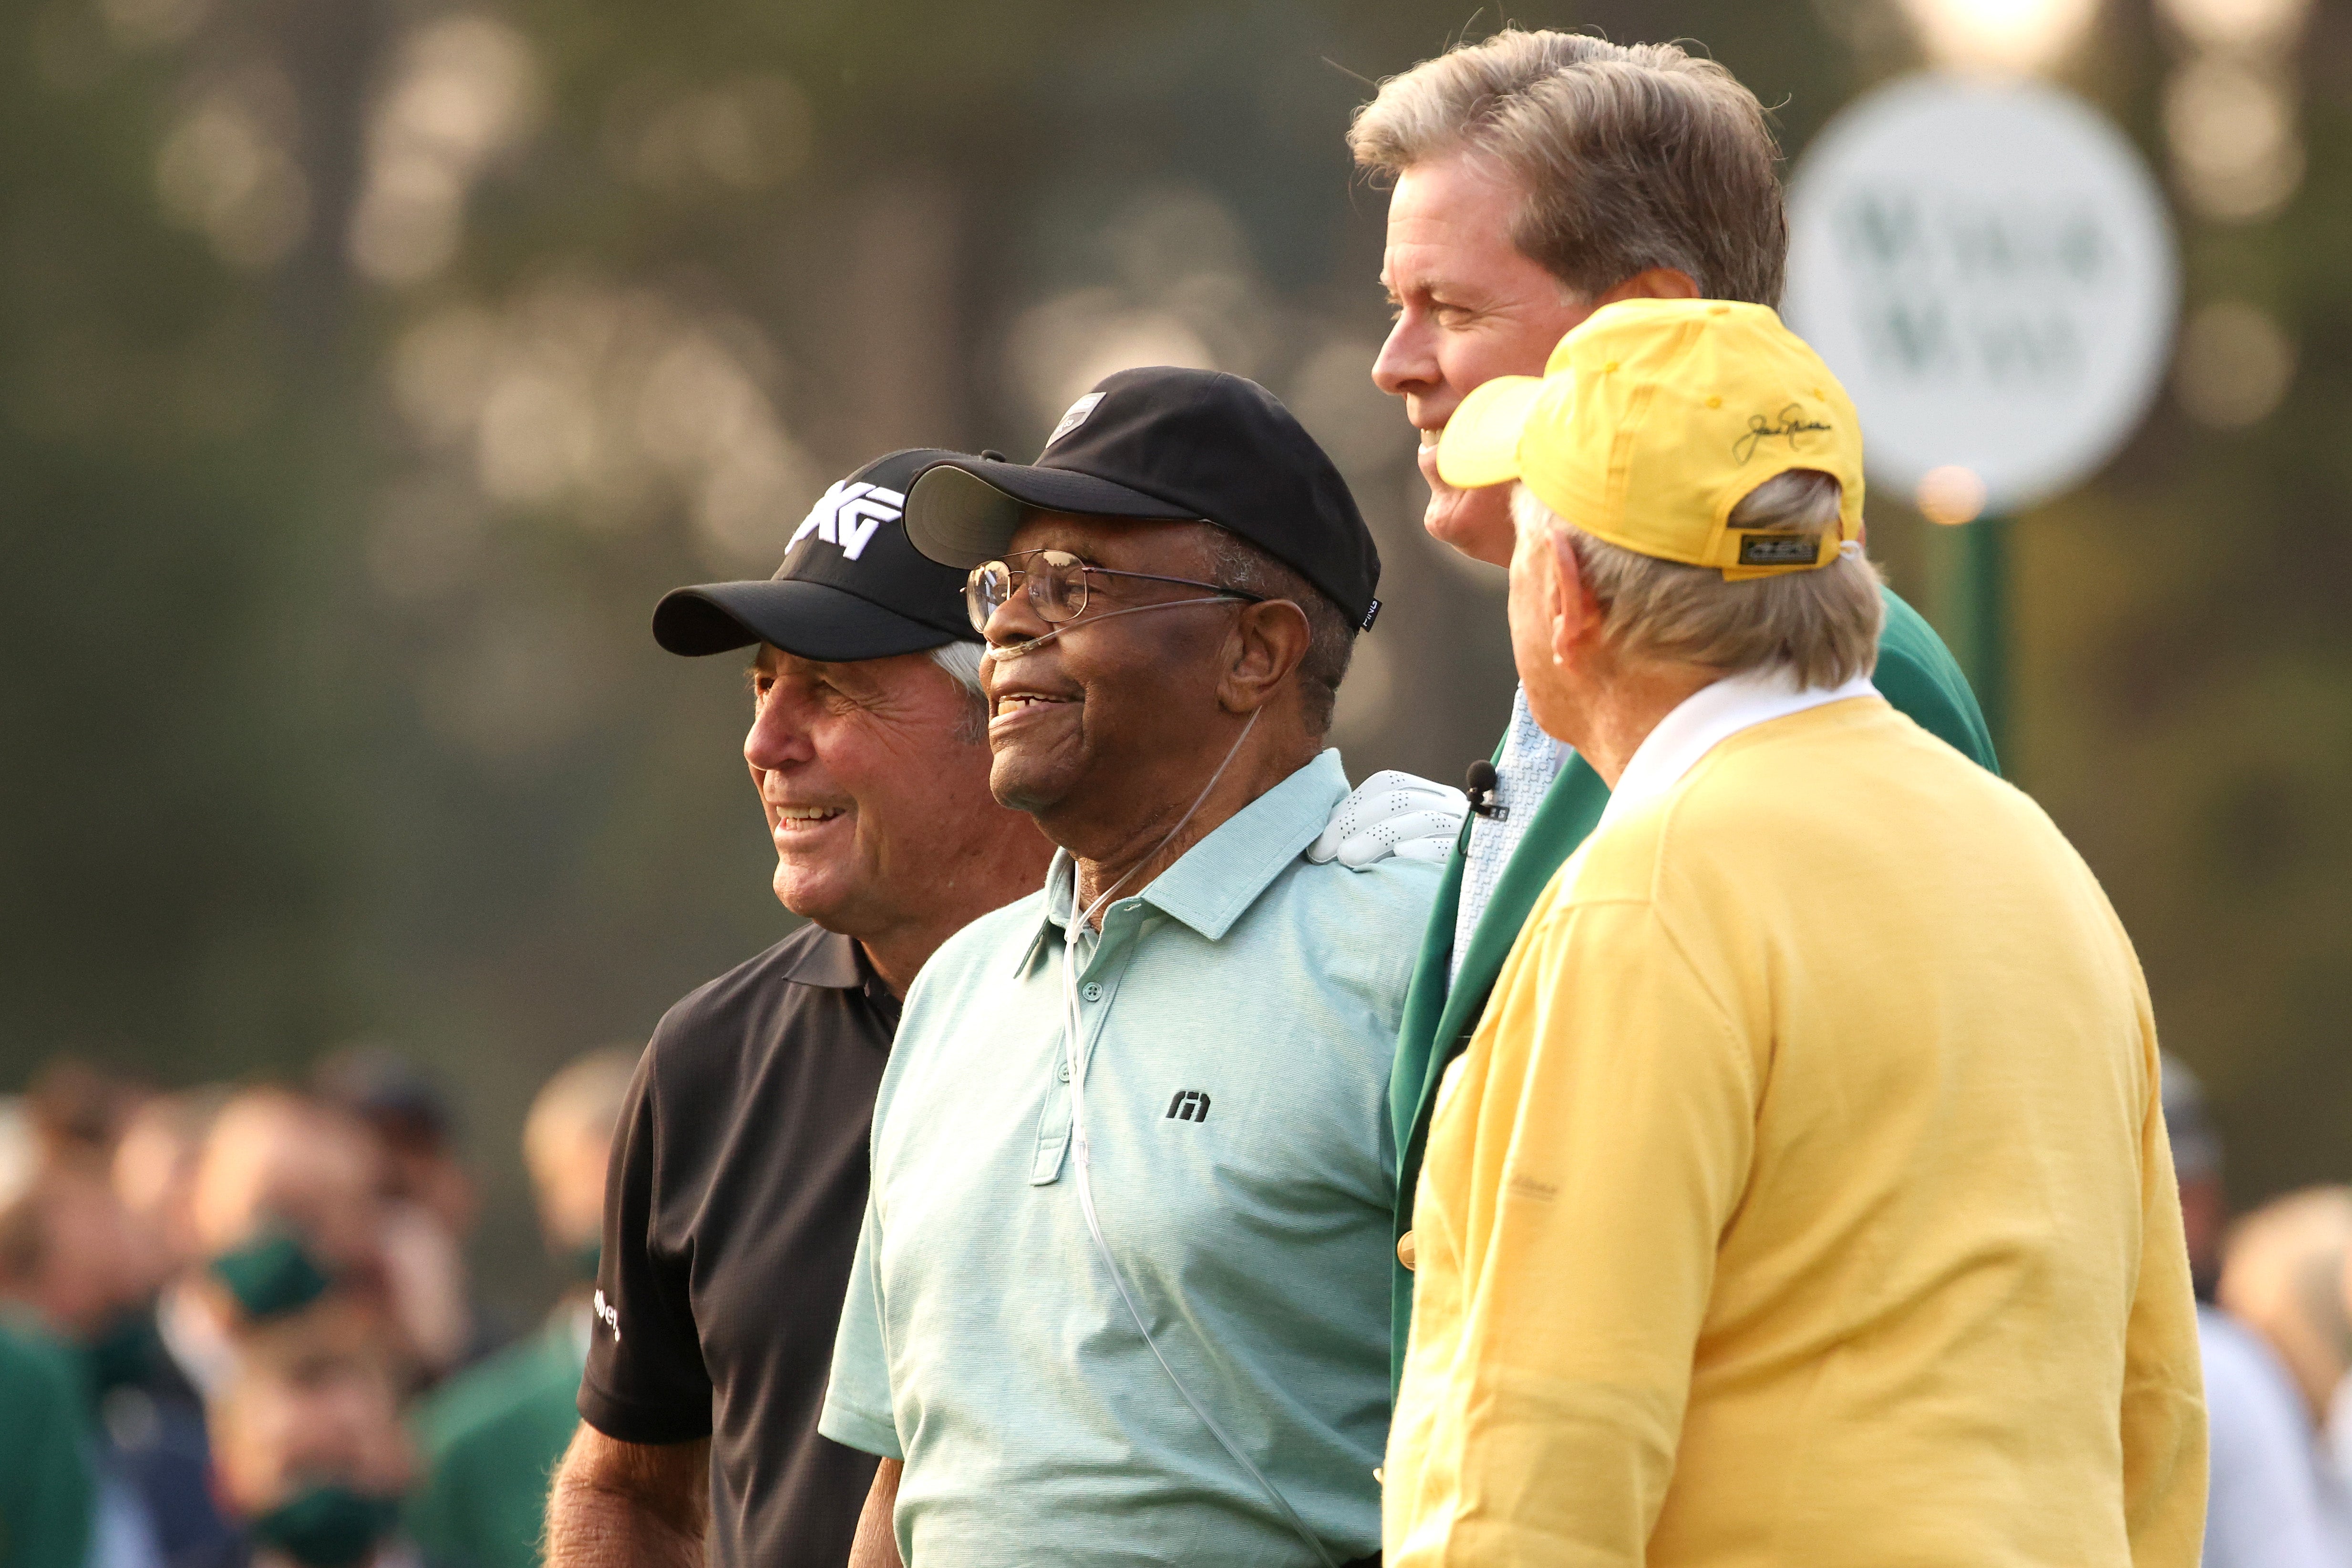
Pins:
x,y
1405,1249
1091,990
1062,1070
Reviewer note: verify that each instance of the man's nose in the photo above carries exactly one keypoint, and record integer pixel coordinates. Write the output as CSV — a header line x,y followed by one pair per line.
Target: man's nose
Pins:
x,y
1016,620
1408,360
777,738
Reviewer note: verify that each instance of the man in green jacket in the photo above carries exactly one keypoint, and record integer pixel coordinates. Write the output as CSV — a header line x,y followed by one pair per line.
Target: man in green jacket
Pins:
x,y
1538,177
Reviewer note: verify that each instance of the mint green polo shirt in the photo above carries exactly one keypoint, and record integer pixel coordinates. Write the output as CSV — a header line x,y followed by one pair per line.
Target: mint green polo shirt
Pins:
x,y
1239,1017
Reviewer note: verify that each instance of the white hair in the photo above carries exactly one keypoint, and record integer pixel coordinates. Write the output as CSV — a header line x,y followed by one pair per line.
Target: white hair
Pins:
x,y
1821,624
960,659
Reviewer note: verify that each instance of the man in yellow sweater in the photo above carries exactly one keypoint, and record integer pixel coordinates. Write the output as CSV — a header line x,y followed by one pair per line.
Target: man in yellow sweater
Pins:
x,y
1803,1198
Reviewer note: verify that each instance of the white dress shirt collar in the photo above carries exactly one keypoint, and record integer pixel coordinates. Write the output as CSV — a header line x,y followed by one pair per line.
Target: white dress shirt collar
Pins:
x,y
1707,718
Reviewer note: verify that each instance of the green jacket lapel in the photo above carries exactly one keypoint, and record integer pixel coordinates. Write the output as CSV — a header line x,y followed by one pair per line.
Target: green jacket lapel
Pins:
x,y
1439,1015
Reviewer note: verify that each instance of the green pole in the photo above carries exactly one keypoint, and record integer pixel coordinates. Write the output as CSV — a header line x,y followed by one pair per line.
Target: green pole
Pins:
x,y
1984,620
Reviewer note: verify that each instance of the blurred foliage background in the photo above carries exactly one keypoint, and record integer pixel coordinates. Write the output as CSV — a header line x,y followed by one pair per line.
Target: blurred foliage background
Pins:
x,y
368,368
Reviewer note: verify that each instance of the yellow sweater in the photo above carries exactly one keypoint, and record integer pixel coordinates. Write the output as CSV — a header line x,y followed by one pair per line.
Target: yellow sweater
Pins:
x,y
1803,1197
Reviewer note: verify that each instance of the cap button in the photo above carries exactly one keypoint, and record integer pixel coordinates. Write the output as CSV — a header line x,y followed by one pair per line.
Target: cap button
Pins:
x,y
1718,309
1609,366
989,453
1715,402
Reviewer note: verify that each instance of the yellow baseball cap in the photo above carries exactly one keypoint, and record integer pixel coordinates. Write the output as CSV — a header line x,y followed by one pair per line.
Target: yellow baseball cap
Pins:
x,y
1655,418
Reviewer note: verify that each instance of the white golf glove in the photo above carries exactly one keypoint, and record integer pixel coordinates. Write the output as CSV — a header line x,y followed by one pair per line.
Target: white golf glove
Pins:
x,y
1392,813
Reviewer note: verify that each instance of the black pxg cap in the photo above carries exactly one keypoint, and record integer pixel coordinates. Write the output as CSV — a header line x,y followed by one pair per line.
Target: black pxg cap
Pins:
x,y
851,587
1167,445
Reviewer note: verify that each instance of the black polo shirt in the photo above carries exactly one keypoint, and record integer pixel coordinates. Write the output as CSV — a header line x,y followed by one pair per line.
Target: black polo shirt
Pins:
x,y
731,1217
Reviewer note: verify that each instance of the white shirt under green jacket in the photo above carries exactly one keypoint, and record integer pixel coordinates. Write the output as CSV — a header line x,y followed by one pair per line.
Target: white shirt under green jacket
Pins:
x,y
1239,1017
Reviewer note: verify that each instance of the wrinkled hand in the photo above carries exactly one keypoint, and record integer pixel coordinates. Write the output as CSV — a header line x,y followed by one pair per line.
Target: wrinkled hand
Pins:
x,y
1392,813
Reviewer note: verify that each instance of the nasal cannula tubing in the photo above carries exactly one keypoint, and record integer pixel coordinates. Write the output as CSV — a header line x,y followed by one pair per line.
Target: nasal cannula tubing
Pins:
x,y
1073,1030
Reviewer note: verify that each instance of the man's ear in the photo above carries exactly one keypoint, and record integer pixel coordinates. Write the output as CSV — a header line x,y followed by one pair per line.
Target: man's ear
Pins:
x,y
1569,607
1650,283
1269,643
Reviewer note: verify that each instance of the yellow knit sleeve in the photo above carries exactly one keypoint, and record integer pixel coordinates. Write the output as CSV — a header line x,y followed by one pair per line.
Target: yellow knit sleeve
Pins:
x,y
2164,1395
1577,1181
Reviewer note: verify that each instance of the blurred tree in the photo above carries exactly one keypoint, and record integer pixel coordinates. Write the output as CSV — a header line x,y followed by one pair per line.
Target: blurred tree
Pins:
x,y
367,370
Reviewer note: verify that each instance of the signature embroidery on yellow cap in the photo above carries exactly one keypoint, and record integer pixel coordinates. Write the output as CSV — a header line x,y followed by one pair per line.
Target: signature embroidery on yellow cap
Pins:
x,y
1792,424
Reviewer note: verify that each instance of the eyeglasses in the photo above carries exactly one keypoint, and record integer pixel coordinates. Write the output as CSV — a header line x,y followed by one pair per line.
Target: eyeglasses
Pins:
x,y
1057,586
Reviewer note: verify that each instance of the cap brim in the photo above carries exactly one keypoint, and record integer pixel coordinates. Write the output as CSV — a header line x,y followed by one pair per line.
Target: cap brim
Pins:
x,y
958,517
814,620
1480,446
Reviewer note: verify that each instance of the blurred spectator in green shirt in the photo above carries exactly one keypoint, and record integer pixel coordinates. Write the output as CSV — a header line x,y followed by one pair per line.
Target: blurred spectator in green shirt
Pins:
x,y
47,1483
46,1489
492,1435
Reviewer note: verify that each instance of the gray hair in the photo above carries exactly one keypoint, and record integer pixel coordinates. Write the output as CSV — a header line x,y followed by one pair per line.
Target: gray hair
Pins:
x,y
1630,156
1821,625
960,660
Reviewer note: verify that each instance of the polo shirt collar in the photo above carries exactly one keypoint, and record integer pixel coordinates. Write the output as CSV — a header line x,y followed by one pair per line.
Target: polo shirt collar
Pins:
x,y
1215,881
1709,718
828,959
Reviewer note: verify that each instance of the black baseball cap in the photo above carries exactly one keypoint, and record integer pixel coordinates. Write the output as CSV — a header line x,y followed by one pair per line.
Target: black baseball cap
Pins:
x,y
1165,444
850,586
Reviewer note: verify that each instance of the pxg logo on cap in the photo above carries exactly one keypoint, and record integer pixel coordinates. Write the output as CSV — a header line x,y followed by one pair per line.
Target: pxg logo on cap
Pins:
x,y
850,586
847,515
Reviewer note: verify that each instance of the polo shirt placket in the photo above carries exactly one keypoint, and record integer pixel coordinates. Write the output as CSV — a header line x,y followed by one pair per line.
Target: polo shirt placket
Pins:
x,y
1104,958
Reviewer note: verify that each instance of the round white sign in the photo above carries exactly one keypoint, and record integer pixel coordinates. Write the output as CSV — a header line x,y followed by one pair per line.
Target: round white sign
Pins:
x,y
1988,266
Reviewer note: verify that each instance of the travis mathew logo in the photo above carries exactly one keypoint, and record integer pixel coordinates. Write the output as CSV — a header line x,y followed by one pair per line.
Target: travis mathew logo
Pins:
x,y
847,515
606,1315
1790,424
1189,1105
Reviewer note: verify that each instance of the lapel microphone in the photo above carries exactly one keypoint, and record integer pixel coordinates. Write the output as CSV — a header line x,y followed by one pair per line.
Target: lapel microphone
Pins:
x,y
1480,786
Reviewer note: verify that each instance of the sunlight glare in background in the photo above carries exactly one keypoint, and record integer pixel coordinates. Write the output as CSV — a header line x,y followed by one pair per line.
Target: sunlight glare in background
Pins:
x,y
2235,365
467,90
1182,289
2010,35
2230,108
613,402
747,134
1951,496
227,170
148,24
2238,24
2235,149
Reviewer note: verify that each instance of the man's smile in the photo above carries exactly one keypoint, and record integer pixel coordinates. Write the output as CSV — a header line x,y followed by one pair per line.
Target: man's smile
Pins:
x,y
791,820
1008,705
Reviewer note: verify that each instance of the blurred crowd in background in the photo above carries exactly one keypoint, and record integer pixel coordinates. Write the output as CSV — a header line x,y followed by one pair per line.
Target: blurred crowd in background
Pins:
x,y
237,1323
237,1326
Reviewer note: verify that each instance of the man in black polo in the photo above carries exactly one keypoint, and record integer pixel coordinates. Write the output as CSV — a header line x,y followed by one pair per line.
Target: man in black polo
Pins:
x,y
739,1173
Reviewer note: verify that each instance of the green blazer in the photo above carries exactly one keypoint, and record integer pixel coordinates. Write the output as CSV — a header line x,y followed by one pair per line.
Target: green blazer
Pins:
x,y
1916,673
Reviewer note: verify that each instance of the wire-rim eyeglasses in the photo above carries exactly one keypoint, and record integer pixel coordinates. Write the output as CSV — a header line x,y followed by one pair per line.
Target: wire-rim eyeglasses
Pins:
x,y
1057,586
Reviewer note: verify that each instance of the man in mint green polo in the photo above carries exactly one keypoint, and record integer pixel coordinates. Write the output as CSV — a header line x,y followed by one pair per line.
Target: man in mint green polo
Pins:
x,y
1121,1291
1538,177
